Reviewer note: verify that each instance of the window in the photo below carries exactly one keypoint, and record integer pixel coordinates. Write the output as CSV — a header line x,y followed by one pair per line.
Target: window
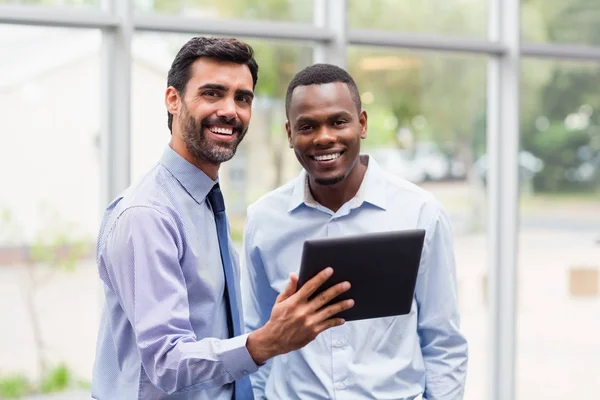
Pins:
x,y
49,205
274,10
427,124
60,3
454,17
559,240
561,21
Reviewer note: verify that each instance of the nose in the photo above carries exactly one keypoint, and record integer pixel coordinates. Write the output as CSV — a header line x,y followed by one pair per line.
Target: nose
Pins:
x,y
324,136
227,109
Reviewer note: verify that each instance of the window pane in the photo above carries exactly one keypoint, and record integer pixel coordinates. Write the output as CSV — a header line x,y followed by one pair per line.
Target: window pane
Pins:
x,y
427,124
275,10
561,21
559,240
60,3
454,17
263,160
49,205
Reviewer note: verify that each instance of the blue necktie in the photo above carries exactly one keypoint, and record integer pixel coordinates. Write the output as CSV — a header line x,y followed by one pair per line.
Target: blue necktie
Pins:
x,y
242,387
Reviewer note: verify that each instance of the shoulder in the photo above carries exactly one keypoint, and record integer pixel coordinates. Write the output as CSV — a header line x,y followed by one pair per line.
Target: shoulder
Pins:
x,y
143,224
405,200
143,208
402,193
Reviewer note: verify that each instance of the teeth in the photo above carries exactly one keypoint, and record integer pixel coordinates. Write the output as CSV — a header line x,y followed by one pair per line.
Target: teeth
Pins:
x,y
223,131
327,157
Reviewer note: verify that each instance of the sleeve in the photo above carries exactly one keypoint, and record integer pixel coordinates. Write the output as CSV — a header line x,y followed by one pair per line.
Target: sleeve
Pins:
x,y
443,346
141,266
258,298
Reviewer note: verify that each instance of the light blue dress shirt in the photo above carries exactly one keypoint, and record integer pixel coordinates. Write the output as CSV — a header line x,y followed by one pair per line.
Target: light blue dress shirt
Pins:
x,y
164,333
386,358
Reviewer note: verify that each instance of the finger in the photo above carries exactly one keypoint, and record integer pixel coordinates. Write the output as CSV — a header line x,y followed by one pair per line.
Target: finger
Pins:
x,y
309,287
329,323
328,295
334,309
290,289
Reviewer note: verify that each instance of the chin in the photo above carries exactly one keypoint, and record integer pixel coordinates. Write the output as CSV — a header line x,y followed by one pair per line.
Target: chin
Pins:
x,y
328,181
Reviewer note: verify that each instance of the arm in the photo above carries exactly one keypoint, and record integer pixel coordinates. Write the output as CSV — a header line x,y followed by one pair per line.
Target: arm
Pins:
x,y
141,265
258,298
443,347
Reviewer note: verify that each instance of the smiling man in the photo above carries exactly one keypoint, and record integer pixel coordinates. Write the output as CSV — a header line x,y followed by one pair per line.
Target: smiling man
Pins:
x,y
341,192
172,324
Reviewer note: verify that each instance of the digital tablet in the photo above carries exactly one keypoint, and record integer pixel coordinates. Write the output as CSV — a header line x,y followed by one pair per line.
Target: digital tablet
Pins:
x,y
381,267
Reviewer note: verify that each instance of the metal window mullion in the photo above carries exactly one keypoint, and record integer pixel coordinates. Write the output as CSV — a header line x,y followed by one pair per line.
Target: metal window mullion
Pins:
x,y
561,51
331,15
56,17
503,193
230,27
370,37
115,123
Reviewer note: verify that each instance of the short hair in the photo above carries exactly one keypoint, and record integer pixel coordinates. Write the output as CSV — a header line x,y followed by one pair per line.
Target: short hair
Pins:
x,y
224,49
320,74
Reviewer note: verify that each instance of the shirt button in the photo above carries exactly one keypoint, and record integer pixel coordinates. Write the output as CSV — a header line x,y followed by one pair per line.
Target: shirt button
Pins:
x,y
340,386
339,343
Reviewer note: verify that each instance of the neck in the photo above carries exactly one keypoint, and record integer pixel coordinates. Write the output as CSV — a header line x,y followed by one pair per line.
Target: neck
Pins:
x,y
210,169
335,196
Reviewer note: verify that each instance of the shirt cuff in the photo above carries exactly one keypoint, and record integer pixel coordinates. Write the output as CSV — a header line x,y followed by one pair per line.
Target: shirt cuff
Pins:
x,y
236,358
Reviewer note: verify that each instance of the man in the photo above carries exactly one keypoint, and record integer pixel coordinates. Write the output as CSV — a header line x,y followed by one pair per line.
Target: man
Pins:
x,y
342,192
171,327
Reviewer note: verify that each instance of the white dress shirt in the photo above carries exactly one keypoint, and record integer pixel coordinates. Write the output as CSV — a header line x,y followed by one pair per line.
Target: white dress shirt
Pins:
x,y
400,357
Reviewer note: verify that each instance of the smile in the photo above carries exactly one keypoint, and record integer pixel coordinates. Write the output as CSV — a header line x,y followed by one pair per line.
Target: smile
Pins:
x,y
327,157
220,130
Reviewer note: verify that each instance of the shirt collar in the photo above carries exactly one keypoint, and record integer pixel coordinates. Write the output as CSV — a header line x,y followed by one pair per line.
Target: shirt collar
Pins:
x,y
192,178
371,190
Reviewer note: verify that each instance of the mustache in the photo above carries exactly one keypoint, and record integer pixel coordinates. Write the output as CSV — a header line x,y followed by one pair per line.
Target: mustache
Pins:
x,y
237,126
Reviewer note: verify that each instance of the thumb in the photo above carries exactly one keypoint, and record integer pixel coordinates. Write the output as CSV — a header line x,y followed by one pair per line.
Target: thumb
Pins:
x,y
290,289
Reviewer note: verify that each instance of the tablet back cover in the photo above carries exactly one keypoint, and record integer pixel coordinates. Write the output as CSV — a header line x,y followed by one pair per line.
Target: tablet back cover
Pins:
x,y
381,267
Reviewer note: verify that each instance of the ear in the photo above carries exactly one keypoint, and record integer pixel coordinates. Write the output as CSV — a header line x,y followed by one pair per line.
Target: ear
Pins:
x,y
289,134
362,120
172,101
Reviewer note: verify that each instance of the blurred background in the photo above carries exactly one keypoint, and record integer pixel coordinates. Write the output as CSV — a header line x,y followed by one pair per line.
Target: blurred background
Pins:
x,y
494,106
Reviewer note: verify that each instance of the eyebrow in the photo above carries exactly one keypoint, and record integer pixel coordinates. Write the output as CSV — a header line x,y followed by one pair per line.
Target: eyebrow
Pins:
x,y
223,88
340,114
245,92
304,119
214,86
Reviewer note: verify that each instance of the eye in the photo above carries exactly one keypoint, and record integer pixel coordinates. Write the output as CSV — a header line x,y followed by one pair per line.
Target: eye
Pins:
x,y
211,93
305,127
244,99
340,122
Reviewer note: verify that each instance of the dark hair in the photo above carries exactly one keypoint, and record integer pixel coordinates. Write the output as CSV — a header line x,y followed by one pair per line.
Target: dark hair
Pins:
x,y
224,49
319,74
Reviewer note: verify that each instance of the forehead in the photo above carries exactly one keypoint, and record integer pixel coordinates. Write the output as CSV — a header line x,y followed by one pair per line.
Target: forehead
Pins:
x,y
321,100
209,70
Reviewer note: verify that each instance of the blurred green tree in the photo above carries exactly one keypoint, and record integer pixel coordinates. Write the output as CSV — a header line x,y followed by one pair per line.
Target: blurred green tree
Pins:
x,y
57,245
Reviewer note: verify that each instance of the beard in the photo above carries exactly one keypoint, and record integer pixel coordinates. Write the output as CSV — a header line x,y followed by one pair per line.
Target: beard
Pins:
x,y
205,149
337,179
329,181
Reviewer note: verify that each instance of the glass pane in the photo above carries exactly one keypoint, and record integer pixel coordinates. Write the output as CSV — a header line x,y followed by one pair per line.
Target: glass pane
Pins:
x,y
454,17
60,3
49,204
275,10
561,21
427,124
559,241
263,160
